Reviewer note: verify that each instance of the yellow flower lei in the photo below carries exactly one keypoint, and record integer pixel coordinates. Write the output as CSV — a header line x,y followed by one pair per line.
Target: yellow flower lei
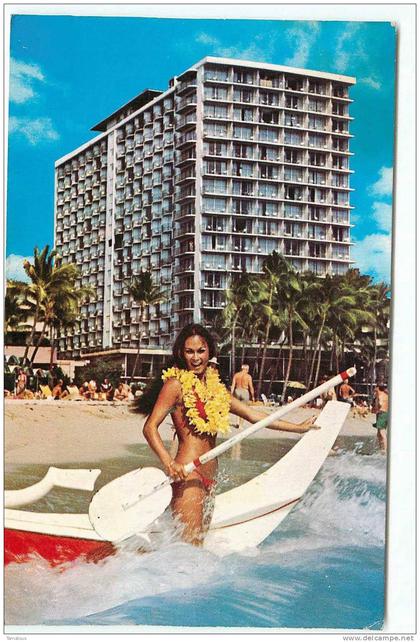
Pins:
x,y
214,398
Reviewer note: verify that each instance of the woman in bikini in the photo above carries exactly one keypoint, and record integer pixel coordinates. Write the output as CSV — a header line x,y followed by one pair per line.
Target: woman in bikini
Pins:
x,y
199,405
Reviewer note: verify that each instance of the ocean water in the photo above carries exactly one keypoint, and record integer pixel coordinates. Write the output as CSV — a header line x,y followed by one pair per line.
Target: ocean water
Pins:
x,y
322,568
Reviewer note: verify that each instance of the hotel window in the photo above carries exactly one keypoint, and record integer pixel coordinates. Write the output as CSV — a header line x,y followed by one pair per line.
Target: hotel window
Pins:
x,y
242,207
215,93
340,144
293,138
215,149
317,159
214,224
294,84
317,140
317,213
292,156
269,153
292,174
245,188
268,190
216,73
317,105
242,225
316,87
267,134
340,126
339,109
293,211
292,120
293,193
244,114
340,198
216,111
269,116
268,209
293,102
339,162
242,169
269,171
215,129
242,76
339,180
214,185
243,95
317,250
242,151
317,122
268,98
244,133
215,167
318,178
340,216
267,227
214,204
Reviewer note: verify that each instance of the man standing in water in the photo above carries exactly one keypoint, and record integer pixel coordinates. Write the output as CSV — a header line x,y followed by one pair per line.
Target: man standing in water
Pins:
x,y
380,408
242,387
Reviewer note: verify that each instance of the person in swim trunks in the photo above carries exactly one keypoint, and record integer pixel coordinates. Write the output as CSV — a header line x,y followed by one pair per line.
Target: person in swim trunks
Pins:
x,y
199,405
380,408
242,387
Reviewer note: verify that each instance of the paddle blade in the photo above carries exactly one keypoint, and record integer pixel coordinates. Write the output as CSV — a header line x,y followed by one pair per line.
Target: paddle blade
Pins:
x,y
113,513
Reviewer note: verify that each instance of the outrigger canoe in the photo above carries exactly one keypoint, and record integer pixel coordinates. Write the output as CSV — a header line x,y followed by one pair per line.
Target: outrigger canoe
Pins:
x,y
243,516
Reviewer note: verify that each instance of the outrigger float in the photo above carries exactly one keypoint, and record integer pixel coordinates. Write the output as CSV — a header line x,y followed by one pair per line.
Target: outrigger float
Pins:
x,y
243,516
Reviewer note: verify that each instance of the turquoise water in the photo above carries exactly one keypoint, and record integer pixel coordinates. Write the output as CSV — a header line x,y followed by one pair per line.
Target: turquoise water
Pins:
x,y
322,568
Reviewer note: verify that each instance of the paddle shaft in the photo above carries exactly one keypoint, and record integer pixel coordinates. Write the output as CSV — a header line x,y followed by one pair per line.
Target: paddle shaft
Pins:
x,y
274,416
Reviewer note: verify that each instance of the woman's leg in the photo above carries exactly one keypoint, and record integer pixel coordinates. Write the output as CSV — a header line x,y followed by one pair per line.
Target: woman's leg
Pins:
x,y
188,505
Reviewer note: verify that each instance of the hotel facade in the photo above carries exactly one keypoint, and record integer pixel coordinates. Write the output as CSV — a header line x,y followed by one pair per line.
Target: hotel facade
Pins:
x,y
198,183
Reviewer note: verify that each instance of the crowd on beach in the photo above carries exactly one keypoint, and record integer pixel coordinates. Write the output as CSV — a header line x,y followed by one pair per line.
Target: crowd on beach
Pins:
x,y
53,387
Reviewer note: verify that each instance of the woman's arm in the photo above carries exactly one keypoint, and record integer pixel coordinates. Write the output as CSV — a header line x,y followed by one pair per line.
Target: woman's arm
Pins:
x,y
168,397
253,416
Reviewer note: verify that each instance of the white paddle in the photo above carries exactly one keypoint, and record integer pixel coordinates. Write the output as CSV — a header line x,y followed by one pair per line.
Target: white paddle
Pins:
x,y
130,503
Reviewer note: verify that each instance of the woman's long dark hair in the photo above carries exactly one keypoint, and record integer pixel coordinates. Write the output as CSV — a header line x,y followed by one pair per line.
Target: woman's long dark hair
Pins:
x,y
144,404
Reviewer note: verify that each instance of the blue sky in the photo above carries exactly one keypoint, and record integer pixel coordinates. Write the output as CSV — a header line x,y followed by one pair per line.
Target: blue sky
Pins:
x,y
68,73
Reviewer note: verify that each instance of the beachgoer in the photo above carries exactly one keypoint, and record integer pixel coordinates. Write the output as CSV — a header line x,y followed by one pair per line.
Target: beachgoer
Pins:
x,y
242,387
329,395
107,389
122,392
72,392
380,408
199,405
346,392
58,389
84,390
21,382
92,389
213,363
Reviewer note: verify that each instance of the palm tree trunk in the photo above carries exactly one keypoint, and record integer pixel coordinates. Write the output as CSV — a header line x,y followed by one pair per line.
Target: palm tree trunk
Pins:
x,y
263,358
289,361
38,344
317,345
52,344
133,372
30,339
233,346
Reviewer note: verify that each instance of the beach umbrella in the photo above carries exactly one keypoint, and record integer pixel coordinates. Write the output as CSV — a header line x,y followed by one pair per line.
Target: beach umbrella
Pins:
x,y
296,384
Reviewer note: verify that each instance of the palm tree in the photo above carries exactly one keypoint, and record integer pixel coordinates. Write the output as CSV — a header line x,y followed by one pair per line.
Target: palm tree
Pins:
x,y
17,306
143,292
239,303
48,280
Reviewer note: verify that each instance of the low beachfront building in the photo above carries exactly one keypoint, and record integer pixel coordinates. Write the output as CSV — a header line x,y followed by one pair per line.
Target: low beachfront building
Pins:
x,y
198,183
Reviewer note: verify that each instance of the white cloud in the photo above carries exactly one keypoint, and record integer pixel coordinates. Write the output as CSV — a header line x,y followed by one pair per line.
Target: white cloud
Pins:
x,y
35,130
370,81
304,39
349,47
383,186
206,39
23,79
382,214
261,49
14,267
373,256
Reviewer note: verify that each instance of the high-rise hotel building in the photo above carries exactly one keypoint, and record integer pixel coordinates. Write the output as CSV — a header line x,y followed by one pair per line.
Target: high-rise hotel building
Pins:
x,y
198,183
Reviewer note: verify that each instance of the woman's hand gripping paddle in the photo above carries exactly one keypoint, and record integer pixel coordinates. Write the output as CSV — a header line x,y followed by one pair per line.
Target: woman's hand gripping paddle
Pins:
x,y
130,503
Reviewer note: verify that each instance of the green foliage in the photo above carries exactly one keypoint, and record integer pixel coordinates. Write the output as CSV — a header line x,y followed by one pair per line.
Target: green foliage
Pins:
x,y
103,368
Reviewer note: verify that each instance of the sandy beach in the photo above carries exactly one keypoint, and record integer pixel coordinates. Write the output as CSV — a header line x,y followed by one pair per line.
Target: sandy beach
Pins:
x,y
63,432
